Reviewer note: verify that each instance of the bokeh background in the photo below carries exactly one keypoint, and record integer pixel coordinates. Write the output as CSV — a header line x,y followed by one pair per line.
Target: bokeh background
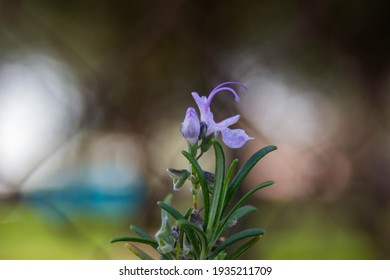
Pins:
x,y
92,94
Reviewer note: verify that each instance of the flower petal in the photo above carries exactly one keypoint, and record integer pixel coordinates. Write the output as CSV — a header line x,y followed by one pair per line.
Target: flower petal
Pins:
x,y
235,138
211,125
203,105
227,122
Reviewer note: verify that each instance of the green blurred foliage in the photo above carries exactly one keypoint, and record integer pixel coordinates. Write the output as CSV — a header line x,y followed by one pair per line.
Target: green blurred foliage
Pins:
x,y
27,235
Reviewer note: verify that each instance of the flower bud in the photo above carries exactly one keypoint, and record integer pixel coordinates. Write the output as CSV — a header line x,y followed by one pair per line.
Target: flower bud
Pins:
x,y
164,237
190,127
179,177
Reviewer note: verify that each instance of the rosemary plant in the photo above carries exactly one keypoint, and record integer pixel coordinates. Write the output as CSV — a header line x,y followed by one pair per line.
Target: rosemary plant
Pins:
x,y
199,232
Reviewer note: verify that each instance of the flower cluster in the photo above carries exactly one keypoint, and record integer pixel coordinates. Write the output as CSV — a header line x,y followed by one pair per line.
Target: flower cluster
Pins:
x,y
194,129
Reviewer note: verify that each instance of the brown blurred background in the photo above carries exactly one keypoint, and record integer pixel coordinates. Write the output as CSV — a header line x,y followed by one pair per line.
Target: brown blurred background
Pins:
x,y
92,94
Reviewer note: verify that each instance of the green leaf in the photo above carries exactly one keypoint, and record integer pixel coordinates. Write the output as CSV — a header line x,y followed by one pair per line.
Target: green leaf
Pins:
x,y
178,176
148,241
172,211
192,229
237,252
219,190
203,184
236,238
230,172
235,216
242,201
180,245
243,172
169,256
193,240
138,252
187,213
140,232
168,201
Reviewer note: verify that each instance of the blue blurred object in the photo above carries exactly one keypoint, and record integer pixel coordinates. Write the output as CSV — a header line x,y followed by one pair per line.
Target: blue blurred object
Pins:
x,y
102,191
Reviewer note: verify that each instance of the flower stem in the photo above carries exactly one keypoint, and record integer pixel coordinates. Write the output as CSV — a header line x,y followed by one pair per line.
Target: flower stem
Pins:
x,y
195,188
193,150
195,201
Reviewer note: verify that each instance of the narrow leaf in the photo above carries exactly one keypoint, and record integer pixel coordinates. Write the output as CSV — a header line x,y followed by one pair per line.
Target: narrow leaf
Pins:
x,y
187,213
189,227
230,172
216,234
193,239
242,201
144,238
169,256
168,201
138,252
237,252
152,243
236,238
235,217
243,172
140,232
172,211
218,193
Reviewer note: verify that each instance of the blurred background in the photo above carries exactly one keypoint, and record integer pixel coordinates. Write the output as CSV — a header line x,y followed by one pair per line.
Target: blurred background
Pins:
x,y
92,94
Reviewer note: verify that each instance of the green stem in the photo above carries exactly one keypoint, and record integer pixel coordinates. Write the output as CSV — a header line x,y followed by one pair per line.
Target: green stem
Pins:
x,y
202,183
193,150
195,199
195,187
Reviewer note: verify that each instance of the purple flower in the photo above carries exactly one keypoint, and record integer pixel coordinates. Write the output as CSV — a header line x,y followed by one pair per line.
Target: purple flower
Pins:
x,y
233,138
190,127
